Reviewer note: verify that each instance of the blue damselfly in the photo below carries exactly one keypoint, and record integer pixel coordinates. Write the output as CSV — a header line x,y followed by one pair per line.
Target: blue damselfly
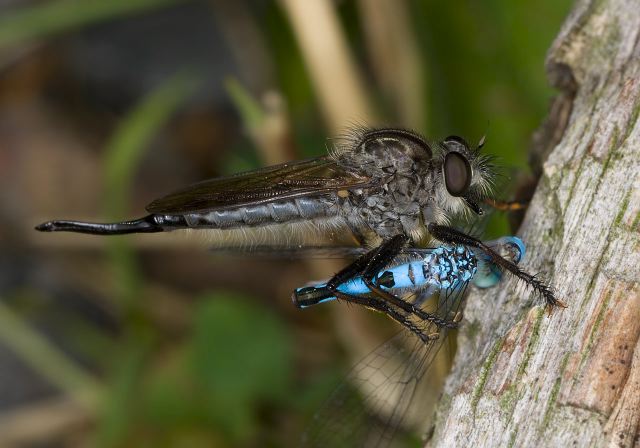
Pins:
x,y
367,409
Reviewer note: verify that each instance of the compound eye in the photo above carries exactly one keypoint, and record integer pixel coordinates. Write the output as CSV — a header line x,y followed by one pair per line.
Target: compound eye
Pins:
x,y
453,140
457,174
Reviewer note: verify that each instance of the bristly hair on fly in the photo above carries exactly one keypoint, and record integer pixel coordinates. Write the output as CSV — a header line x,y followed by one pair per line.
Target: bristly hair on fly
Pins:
x,y
483,174
349,139
429,163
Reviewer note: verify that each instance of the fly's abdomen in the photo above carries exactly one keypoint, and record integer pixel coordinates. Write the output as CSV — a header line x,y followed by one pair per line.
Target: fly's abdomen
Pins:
x,y
286,211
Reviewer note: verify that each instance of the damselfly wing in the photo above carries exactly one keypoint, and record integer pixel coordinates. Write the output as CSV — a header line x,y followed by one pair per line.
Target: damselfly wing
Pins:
x,y
367,409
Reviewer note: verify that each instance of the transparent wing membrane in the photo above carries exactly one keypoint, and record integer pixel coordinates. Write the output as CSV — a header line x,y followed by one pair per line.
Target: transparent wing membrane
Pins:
x,y
367,409
304,252
288,180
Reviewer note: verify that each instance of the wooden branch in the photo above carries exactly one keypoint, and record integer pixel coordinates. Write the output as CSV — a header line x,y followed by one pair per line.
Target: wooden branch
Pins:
x,y
573,379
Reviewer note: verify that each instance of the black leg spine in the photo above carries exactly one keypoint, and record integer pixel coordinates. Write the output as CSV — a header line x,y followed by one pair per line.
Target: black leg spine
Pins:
x,y
368,265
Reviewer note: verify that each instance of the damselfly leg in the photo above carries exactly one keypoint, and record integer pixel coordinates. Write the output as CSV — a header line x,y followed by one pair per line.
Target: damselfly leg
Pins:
x,y
506,206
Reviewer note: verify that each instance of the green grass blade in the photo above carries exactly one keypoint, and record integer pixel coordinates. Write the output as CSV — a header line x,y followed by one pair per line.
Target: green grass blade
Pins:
x,y
46,359
45,19
132,138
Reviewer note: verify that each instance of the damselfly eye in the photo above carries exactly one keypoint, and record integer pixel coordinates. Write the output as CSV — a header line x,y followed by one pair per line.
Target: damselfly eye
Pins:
x,y
457,174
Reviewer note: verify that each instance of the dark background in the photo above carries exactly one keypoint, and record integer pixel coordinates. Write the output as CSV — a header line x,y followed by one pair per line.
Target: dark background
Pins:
x,y
105,105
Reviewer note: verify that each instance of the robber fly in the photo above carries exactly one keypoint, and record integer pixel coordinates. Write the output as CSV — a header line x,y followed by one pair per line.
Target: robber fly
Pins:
x,y
389,187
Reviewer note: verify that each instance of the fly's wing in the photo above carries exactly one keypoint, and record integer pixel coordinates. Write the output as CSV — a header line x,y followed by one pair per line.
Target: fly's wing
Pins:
x,y
301,251
367,409
288,180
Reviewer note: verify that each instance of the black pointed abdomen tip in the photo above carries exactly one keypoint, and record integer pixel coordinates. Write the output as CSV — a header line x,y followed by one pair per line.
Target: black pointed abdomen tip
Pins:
x,y
48,226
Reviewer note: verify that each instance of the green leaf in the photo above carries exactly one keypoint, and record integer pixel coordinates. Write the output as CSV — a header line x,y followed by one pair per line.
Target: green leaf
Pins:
x,y
241,358
123,156
120,408
170,398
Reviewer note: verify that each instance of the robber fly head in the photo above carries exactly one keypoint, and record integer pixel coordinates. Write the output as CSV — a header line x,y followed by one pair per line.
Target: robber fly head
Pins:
x,y
463,176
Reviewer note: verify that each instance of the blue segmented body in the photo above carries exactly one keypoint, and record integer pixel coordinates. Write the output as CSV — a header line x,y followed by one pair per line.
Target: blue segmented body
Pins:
x,y
441,268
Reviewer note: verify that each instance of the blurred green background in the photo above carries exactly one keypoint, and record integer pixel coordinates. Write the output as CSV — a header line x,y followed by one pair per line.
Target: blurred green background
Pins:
x,y
104,105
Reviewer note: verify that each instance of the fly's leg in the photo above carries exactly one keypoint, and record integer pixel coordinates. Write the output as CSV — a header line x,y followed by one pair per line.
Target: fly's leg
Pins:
x,y
380,305
381,258
507,206
357,234
408,307
453,236
355,269
368,265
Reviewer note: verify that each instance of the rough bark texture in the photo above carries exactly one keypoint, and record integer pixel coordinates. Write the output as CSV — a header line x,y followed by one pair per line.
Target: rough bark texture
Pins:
x,y
522,378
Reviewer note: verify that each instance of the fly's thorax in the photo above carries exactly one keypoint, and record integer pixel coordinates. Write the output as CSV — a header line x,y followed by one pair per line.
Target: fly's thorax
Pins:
x,y
394,207
399,162
382,152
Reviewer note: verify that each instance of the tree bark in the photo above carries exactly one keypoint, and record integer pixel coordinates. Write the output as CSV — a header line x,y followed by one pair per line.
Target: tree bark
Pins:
x,y
522,378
